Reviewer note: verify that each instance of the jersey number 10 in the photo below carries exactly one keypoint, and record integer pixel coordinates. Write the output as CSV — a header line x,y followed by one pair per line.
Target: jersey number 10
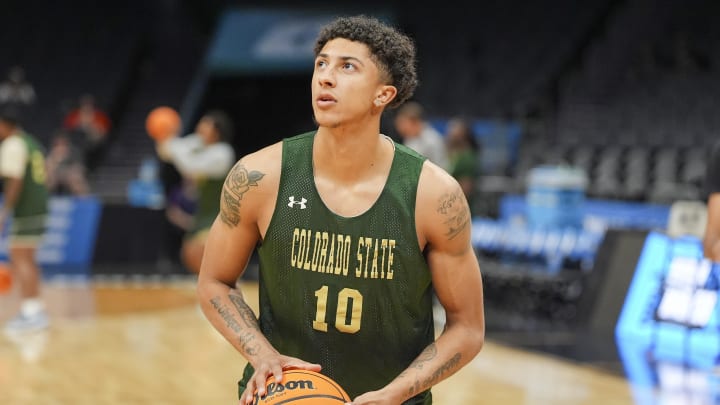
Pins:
x,y
343,306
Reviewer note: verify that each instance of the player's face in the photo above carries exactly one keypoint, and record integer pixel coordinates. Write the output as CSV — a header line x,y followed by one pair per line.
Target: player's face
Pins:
x,y
206,130
345,84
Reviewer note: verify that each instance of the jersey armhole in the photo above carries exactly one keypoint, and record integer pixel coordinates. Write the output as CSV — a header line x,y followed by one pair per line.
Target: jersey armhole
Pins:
x,y
420,249
276,206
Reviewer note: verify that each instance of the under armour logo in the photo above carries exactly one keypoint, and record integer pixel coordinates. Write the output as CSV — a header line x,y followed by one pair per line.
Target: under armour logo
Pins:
x,y
293,203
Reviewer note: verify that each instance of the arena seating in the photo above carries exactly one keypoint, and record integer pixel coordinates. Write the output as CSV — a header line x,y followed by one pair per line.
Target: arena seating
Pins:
x,y
95,56
640,112
501,56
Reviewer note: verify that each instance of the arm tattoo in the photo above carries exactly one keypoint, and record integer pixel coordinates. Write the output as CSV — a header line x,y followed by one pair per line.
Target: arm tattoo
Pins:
x,y
225,314
245,337
441,371
428,354
237,183
455,212
414,389
246,313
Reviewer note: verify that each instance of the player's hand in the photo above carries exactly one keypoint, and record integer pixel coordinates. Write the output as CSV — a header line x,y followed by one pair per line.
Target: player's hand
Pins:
x,y
272,366
163,150
375,398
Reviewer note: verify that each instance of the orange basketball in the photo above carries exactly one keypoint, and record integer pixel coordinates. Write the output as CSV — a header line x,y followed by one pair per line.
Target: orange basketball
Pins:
x,y
302,387
5,278
162,123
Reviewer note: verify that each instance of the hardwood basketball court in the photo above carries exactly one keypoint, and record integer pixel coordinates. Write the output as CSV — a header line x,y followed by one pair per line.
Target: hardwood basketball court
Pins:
x,y
148,343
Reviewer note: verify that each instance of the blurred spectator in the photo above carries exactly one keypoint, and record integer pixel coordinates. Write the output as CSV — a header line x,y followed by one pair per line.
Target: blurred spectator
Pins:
x,y
463,155
15,91
89,127
203,159
420,136
65,168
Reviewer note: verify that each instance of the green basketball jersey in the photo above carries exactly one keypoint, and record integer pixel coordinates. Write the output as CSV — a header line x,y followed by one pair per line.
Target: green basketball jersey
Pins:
x,y
352,294
33,199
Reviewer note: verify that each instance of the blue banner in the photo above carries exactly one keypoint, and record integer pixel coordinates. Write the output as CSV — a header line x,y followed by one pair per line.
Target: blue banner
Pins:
x,y
70,235
252,41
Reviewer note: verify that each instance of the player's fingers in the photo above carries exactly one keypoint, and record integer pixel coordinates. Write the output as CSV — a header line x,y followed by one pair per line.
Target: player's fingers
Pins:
x,y
260,381
297,364
247,395
312,367
277,372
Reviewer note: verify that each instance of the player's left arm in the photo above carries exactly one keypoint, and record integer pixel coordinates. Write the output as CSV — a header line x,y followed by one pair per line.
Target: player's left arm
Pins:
x,y
444,222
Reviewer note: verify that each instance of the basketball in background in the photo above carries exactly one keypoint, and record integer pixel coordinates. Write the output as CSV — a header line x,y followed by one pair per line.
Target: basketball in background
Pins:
x,y
302,387
5,278
162,123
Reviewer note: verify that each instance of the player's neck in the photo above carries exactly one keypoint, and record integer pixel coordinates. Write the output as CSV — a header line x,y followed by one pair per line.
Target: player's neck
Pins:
x,y
349,155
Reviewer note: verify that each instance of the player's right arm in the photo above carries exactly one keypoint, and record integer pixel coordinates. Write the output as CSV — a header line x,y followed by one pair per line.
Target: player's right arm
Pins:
x,y
711,240
247,202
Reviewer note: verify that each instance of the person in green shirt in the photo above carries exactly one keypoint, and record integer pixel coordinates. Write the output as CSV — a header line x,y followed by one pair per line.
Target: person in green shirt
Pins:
x,y
203,159
463,152
25,205
354,233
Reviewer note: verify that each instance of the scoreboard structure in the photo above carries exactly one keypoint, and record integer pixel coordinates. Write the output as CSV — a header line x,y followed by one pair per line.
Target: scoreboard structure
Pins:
x,y
668,333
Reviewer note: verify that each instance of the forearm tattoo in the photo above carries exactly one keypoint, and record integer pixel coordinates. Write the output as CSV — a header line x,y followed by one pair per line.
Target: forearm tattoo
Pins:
x,y
245,336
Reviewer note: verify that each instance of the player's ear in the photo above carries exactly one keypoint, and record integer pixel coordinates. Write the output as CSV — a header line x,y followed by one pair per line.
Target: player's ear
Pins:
x,y
386,94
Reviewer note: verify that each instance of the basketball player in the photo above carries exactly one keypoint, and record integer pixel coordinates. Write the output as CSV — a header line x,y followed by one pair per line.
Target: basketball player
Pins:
x,y
204,159
354,234
25,201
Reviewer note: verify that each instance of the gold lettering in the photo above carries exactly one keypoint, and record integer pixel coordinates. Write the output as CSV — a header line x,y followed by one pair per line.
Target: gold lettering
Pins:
x,y
374,270
390,271
306,257
323,254
295,237
301,248
345,258
368,245
358,269
383,246
326,252
316,251
331,266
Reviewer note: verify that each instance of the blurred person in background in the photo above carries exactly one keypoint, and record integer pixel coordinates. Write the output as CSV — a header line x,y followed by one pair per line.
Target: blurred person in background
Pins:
x,y
203,158
711,239
420,136
15,91
65,168
463,155
25,202
88,126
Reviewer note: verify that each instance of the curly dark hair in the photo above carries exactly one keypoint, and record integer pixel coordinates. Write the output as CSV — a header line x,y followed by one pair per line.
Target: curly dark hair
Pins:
x,y
390,49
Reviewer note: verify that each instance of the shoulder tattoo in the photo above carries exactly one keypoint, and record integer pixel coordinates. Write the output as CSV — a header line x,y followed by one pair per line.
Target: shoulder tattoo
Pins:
x,y
237,183
455,212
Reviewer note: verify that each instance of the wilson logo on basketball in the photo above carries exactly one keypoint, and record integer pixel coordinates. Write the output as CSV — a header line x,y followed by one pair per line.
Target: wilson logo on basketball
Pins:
x,y
275,389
